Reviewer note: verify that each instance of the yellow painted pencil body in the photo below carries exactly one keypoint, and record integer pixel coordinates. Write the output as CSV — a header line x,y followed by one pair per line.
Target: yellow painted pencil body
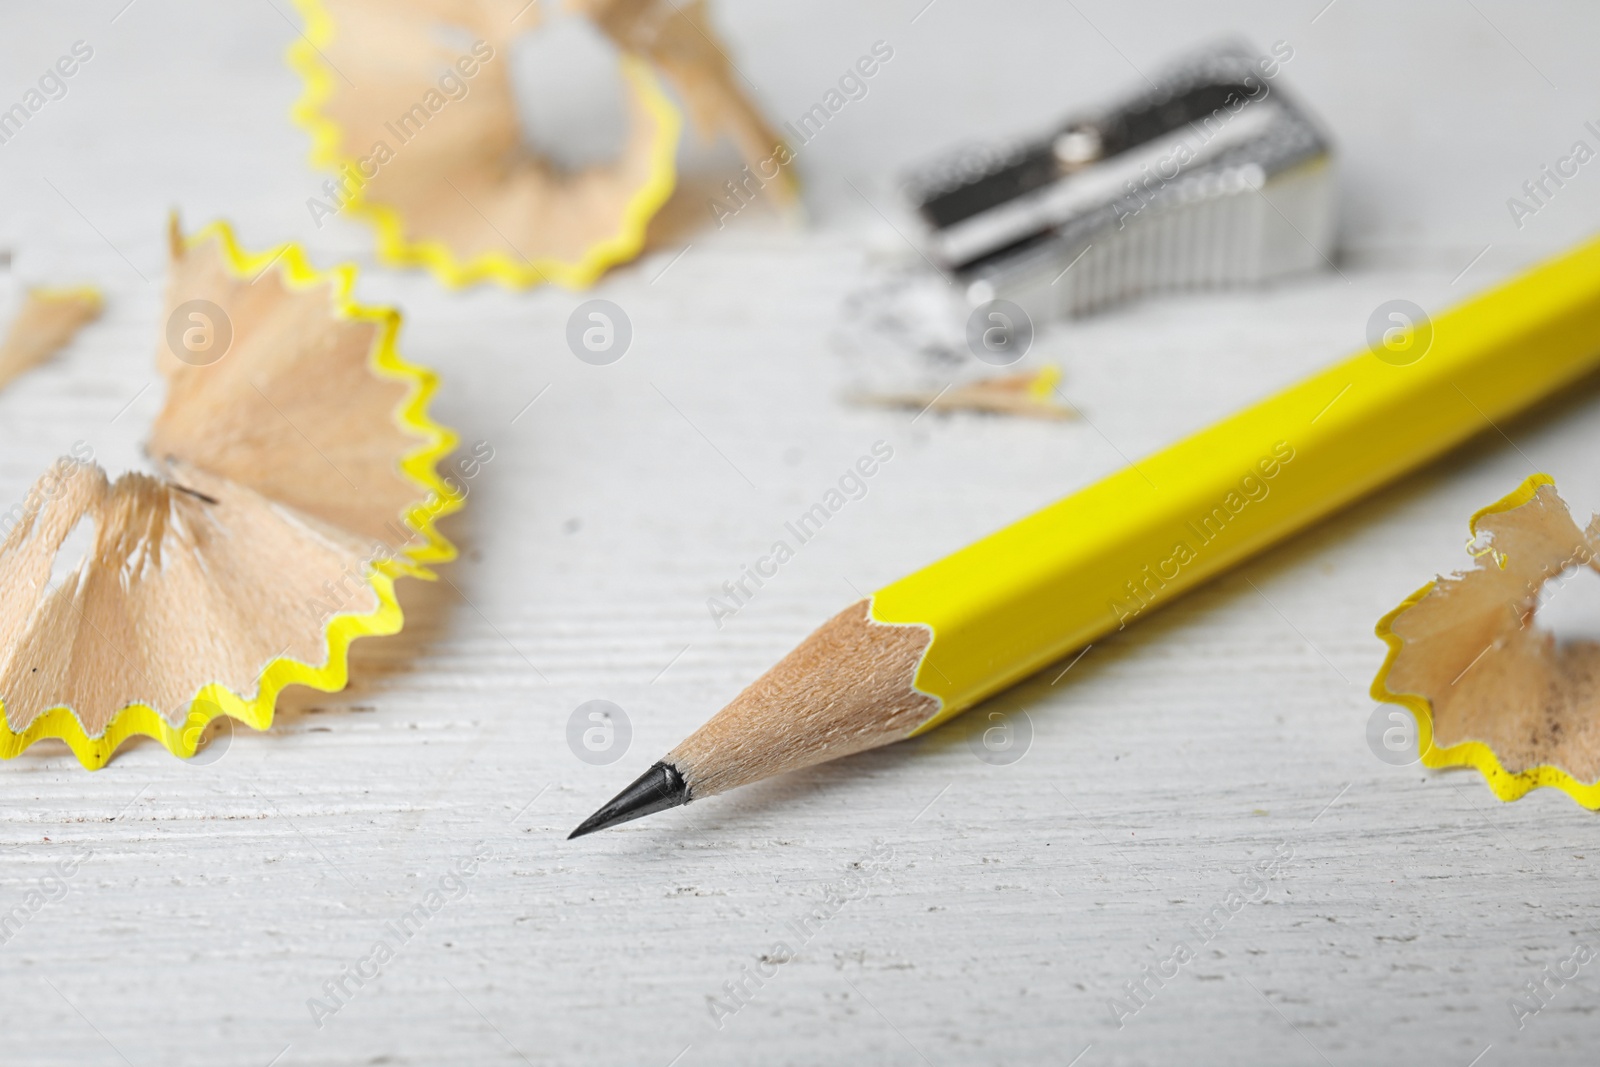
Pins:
x,y
1027,595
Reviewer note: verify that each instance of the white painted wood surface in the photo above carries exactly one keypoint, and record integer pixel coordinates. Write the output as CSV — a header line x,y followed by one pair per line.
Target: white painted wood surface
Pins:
x,y
995,911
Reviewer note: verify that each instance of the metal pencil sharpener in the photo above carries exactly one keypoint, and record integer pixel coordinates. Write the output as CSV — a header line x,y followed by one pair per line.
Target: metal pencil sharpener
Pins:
x,y
1210,176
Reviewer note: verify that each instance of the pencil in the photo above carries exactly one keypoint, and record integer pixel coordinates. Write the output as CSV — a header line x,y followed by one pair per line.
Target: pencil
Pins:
x,y
932,644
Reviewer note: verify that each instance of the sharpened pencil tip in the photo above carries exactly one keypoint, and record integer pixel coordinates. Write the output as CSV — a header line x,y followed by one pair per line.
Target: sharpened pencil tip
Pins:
x,y
657,789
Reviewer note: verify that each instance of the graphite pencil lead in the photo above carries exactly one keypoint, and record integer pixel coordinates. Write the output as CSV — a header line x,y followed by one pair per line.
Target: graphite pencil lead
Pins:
x,y
657,789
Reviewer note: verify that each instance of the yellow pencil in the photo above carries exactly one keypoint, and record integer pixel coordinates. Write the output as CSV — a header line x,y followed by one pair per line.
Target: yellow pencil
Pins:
x,y
933,644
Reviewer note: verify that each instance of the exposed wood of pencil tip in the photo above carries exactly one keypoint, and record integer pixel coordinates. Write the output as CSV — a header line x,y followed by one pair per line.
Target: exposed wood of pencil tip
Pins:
x,y
846,688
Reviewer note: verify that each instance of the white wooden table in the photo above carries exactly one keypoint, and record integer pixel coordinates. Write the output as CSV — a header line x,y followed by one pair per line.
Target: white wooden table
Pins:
x,y
994,912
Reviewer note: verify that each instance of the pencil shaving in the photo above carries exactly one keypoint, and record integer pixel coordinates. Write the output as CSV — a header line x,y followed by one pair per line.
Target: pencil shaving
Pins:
x,y
680,40
295,483
1030,394
47,323
469,199
1489,688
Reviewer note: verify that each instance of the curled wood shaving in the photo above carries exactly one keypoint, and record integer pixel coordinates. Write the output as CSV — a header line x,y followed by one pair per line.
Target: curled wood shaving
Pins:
x,y
456,189
1488,687
47,322
1029,394
297,482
